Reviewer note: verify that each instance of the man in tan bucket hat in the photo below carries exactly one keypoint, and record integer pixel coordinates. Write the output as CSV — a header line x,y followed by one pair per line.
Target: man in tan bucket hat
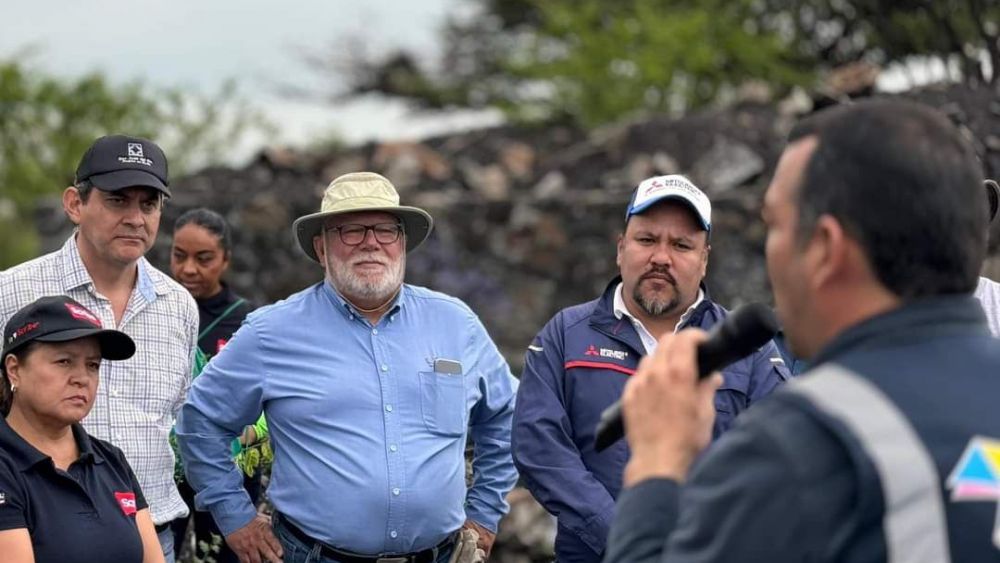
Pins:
x,y
371,388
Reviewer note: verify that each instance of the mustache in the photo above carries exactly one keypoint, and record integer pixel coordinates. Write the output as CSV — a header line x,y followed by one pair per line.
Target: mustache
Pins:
x,y
659,273
368,258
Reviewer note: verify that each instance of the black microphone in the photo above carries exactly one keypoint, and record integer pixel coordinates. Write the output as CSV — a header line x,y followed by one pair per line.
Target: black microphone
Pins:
x,y
738,335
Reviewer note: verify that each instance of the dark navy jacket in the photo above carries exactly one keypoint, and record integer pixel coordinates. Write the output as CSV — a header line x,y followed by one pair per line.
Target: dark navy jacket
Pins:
x,y
575,368
808,487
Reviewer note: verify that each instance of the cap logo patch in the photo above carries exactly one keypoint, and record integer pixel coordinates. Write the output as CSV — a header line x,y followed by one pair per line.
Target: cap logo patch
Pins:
x,y
24,330
82,314
127,502
657,185
135,155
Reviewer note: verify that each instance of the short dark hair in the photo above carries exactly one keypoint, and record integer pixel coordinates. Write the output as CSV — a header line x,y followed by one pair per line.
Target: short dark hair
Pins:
x,y
84,188
210,221
905,183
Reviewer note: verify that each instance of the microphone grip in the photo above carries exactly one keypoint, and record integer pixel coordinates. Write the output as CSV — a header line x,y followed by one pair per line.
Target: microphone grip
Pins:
x,y
611,427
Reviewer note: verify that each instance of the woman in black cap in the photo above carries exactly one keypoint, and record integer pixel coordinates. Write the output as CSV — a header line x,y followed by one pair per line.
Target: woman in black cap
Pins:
x,y
65,496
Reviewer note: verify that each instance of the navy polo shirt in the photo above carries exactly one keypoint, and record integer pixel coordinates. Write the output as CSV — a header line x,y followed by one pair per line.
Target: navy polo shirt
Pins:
x,y
81,515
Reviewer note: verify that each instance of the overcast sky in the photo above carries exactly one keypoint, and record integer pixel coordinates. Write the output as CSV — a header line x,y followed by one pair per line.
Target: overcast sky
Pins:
x,y
198,44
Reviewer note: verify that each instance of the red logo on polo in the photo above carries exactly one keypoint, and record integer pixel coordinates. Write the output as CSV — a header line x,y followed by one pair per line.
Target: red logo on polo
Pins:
x,y
127,502
591,351
82,314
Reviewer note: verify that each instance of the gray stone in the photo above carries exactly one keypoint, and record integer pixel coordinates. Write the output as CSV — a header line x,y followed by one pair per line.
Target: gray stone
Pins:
x,y
726,165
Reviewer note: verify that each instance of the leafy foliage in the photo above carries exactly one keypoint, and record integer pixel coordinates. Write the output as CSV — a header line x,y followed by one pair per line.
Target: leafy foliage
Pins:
x,y
46,124
593,61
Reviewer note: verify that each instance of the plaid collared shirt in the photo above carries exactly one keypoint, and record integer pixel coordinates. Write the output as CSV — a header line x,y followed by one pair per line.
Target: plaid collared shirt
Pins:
x,y
137,398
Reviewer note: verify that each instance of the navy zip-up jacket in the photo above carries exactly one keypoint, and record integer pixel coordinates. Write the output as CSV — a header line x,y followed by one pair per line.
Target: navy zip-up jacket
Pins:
x,y
575,368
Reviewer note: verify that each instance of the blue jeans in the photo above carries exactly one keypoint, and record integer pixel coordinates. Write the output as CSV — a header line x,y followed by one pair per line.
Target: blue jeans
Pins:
x,y
167,544
298,552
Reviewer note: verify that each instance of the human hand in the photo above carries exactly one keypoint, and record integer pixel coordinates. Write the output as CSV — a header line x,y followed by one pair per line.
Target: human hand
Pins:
x,y
668,412
486,537
466,549
255,542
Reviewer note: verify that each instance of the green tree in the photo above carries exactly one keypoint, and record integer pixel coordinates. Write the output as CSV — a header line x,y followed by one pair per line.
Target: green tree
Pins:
x,y
593,61
46,123
965,33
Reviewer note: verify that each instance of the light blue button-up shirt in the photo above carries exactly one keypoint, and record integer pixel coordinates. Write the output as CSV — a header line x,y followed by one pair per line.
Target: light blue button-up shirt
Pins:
x,y
368,438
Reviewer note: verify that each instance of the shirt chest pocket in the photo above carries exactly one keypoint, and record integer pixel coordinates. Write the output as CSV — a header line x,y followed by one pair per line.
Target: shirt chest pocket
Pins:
x,y
732,396
442,403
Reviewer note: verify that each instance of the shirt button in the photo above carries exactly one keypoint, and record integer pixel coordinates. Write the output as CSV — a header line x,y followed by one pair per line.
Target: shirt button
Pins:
x,y
388,408
375,331
396,491
392,447
385,367
114,392
393,533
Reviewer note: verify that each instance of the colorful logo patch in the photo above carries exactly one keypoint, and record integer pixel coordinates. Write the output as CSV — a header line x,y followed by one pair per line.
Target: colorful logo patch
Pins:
x,y
127,502
976,477
977,474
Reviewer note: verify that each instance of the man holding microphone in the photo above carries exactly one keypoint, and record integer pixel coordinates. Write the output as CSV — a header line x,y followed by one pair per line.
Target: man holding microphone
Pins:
x,y
888,449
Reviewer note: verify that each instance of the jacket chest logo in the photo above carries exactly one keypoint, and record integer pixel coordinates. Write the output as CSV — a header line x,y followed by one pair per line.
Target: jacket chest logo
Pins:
x,y
605,353
976,476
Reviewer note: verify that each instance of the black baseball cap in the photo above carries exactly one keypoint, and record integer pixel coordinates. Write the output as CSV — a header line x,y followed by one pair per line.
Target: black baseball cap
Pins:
x,y
116,162
59,318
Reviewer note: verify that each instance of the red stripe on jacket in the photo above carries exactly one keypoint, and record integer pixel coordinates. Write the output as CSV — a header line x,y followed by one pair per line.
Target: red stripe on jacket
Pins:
x,y
598,365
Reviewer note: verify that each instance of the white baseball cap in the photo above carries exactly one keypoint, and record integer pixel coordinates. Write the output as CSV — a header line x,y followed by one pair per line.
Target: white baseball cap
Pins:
x,y
659,188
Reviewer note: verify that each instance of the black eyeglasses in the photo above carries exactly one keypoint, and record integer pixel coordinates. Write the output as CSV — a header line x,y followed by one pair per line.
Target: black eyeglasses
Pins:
x,y
353,235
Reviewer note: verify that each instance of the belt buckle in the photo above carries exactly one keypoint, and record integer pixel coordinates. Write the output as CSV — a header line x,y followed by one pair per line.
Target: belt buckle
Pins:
x,y
392,560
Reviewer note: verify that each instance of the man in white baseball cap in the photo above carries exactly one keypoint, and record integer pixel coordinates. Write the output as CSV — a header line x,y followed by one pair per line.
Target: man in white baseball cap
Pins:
x,y
579,363
371,388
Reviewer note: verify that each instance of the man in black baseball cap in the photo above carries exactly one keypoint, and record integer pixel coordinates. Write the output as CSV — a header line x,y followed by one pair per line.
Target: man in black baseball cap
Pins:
x,y
116,162
116,203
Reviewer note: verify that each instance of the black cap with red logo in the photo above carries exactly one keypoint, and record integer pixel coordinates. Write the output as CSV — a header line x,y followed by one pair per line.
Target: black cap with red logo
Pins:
x,y
59,318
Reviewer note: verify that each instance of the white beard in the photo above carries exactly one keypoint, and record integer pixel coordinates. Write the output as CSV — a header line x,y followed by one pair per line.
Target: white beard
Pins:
x,y
375,287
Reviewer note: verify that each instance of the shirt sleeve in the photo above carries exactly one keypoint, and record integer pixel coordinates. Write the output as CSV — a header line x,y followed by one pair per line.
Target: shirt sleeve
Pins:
x,y
123,467
14,501
489,427
778,487
544,450
191,334
225,398
140,499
